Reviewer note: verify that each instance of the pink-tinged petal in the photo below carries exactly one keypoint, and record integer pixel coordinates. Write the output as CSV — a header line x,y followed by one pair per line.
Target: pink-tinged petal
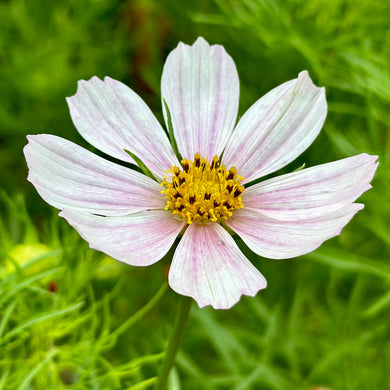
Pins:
x,y
277,128
312,192
277,239
209,267
112,117
201,88
138,239
69,176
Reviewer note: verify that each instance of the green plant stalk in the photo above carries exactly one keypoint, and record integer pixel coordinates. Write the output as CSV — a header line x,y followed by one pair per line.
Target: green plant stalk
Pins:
x,y
174,343
140,313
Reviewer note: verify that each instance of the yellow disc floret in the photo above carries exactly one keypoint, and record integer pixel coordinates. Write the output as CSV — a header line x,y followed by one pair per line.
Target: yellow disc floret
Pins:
x,y
201,191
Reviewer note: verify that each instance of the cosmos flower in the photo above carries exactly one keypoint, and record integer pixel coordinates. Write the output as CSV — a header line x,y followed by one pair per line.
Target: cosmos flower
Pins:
x,y
202,191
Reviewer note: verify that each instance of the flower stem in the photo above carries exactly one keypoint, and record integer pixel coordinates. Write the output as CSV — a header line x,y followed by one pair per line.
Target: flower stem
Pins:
x,y
140,313
174,342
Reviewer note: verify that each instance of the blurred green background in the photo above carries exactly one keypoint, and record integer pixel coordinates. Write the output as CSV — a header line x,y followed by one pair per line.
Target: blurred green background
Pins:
x,y
72,318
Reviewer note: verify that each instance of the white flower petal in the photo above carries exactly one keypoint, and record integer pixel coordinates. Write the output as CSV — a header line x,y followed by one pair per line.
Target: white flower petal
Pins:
x,y
138,239
69,176
312,192
209,267
112,117
277,239
201,88
277,128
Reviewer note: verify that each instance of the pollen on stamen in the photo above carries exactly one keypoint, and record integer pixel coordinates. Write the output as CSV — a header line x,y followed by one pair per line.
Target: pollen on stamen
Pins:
x,y
202,191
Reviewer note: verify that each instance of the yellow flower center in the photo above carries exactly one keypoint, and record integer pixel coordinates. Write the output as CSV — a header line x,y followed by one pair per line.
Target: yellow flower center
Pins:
x,y
203,191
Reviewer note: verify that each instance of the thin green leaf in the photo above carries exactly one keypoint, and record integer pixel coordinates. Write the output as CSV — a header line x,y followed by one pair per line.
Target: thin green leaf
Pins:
x,y
40,318
3,380
171,135
6,316
300,168
30,376
338,258
146,171
140,313
143,385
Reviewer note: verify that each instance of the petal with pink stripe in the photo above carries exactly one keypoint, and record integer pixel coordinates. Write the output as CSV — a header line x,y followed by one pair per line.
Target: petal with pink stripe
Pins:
x,y
69,176
112,117
137,239
277,128
209,267
312,192
201,88
277,239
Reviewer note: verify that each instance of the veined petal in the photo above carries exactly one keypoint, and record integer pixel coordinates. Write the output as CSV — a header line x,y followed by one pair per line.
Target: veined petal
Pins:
x,y
277,239
201,88
209,267
277,128
112,117
69,176
137,239
312,192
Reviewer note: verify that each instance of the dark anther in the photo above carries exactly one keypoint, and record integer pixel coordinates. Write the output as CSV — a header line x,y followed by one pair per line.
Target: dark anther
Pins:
x,y
237,192
181,180
185,165
207,196
197,161
216,204
214,163
192,199
230,175
181,207
229,187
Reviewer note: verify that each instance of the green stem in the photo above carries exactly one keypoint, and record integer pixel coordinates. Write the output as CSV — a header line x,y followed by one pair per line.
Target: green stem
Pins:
x,y
174,342
140,313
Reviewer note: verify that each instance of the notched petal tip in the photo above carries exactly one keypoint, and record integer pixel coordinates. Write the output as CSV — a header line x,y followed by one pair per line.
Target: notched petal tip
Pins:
x,y
285,239
81,84
306,82
33,140
371,163
314,191
209,267
200,41
371,158
200,86
112,117
277,128
305,77
33,137
69,176
216,304
30,138
367,165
